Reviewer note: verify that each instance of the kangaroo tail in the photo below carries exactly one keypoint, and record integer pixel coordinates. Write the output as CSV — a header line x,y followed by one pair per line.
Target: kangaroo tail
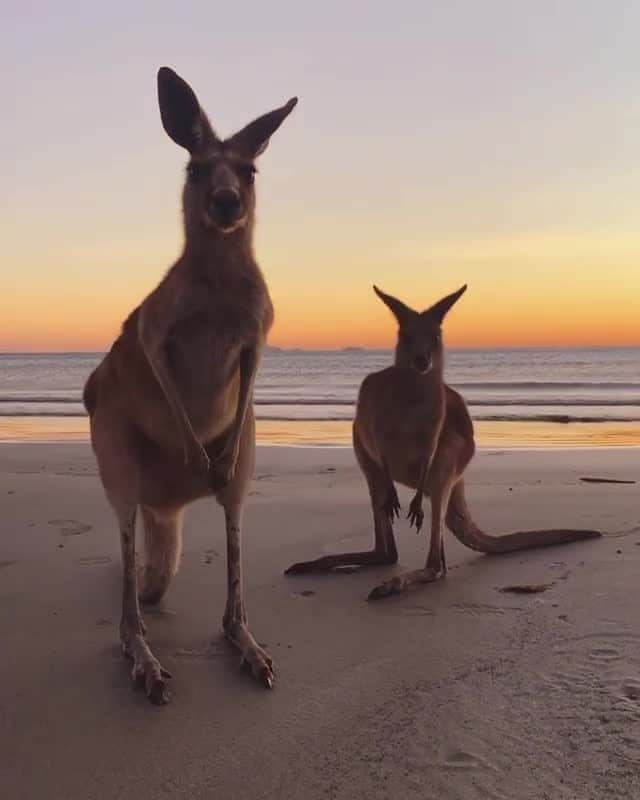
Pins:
x,y
461,524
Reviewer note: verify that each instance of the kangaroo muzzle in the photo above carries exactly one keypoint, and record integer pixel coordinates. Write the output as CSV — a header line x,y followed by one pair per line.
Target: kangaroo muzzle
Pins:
x,y
226,209
422,364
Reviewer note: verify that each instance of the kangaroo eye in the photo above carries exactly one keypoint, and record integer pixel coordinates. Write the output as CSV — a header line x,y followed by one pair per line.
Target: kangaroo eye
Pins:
x,y
437,338
198,170
247,172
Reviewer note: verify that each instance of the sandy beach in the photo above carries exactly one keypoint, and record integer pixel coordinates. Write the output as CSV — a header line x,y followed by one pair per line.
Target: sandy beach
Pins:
x,y
454,690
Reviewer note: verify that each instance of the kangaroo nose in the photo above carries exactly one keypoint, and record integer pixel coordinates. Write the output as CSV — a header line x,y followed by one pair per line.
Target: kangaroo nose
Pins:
x,y
422,363
227,203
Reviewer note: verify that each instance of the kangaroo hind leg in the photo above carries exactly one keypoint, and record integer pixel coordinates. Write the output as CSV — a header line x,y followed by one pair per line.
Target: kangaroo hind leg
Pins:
x,y
442,477
119,465
385,507
147,670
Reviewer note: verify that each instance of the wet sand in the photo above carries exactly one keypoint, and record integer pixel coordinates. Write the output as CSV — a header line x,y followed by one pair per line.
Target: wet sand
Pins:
x,y
453,690
311,433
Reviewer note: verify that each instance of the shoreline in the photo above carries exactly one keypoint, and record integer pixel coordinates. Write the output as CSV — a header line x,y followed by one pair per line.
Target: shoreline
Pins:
x,y
328,447
505,434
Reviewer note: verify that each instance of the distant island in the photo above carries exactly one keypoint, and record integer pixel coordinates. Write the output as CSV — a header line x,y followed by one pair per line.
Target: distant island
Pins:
x,y
351,349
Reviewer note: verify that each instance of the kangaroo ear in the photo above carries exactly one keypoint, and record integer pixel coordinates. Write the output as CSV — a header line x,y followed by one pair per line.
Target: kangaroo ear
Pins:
x,y
439,310
253,139
400,311
182,117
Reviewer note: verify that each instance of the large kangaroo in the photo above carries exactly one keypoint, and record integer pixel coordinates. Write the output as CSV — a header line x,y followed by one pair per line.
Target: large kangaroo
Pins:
x,y
171,403
412,428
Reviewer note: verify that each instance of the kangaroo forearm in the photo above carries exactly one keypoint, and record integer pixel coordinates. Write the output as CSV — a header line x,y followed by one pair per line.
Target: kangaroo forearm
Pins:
x,y
248,369
424,469
177,409
158,365
152,331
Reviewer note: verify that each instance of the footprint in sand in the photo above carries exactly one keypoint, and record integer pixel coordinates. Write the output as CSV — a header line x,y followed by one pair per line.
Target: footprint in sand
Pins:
x,y
196,653
605,654
630,689
603,669
94,561
574,682
263,477
417,611
482,609
463,761
70,527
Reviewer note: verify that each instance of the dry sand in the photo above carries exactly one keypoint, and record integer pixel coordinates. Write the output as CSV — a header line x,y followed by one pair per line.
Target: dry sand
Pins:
x,y
454,690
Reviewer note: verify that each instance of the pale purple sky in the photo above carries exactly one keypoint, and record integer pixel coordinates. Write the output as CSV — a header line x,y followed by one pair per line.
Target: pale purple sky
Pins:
x,y
421,126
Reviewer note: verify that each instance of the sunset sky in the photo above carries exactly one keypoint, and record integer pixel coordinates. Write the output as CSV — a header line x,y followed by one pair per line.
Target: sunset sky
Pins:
x,y
489,143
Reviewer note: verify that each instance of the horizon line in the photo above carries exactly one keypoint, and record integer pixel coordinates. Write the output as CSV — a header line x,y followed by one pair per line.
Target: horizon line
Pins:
x,y
355,348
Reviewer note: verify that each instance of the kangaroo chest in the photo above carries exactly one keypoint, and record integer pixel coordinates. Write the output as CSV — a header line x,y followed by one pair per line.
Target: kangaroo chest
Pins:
x,y
400,416
203,349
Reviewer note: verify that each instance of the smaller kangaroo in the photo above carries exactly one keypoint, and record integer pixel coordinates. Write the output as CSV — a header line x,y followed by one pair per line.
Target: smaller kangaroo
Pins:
x,y
410,427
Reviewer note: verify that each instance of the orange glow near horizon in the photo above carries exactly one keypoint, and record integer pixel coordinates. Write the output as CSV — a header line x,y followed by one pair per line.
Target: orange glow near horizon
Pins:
x,y
551,304
482,319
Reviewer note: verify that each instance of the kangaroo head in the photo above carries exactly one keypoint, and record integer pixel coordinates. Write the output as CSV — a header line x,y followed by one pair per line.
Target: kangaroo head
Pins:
x,y
419,346
219,194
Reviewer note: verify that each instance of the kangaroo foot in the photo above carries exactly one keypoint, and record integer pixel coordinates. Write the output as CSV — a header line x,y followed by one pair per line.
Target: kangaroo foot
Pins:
x,y
251,654
401,583
147,670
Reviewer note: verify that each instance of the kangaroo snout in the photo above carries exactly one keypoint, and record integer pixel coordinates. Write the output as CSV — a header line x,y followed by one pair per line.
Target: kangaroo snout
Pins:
x,y
226,206
422,364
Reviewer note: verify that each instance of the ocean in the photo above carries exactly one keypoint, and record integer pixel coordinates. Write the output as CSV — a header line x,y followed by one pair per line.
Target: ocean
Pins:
x,y
518,397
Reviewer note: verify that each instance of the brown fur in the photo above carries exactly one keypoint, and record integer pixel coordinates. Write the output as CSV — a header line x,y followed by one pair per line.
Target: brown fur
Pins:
x,y
171,403
411,428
